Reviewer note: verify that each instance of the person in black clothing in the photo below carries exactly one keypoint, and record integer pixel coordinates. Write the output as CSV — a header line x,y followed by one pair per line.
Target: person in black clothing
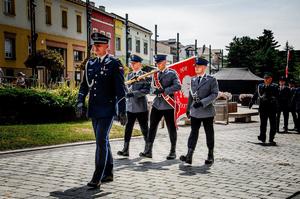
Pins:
x,y
292,104
283,104
267,93
297,99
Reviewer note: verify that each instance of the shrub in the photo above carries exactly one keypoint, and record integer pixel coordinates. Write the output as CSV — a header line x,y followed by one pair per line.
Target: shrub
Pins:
x,y
36,105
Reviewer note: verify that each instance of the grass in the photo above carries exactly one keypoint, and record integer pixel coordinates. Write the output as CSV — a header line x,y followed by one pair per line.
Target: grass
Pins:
x,y
33,135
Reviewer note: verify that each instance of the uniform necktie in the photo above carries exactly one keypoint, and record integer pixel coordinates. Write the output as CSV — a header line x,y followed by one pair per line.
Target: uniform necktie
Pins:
x,y
199,79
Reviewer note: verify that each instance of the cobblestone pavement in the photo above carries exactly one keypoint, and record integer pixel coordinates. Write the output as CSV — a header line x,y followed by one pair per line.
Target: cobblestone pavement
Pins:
x,y
243,169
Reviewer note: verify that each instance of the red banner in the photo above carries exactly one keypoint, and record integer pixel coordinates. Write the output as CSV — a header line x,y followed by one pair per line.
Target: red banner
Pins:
x,y
185,70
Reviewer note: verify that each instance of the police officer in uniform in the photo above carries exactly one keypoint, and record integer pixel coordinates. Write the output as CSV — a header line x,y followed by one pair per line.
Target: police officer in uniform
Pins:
x,y
292,102
267,93
170,83
283,104
203,92
136,102
297,99
104,82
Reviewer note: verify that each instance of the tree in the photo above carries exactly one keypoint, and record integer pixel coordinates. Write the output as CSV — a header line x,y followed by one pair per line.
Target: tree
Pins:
x,y
260,55
241,52
51,59
267,59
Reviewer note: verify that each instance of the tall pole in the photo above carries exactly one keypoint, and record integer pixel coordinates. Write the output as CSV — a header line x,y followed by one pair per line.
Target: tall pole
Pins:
x,y
33,34
126,39
177,52
209,59
155,40
222,58
88,27
196,52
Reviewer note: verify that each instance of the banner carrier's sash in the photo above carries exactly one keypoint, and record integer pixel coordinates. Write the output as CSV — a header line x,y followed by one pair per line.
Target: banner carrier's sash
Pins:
x,y
167,98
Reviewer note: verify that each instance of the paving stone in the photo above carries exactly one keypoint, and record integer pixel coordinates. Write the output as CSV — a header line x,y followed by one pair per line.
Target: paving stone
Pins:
x,y
242,169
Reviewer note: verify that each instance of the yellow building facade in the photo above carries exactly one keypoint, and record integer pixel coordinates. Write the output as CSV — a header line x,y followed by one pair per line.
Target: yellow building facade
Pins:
x,y
120,33
69,38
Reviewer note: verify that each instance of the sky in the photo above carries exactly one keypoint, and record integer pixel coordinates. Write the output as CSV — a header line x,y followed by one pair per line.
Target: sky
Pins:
x,y
213,22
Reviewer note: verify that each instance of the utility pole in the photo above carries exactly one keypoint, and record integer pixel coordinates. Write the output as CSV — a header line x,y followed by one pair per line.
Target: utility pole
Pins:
x,y
33,34
196,52
88,27
209,59
177,52
155,40
222,57
126,39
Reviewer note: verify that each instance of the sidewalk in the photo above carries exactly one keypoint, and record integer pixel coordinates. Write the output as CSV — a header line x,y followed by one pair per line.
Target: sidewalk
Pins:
x,y
243,169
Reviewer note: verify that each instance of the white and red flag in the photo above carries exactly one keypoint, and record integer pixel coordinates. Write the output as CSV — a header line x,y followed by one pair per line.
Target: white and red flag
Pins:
x,y
185,70
287,63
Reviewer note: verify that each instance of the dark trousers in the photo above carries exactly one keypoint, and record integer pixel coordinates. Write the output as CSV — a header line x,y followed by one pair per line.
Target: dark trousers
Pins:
x,y
209,132
143,121
285,118
298,121
103,155
295,119
264,116
155,117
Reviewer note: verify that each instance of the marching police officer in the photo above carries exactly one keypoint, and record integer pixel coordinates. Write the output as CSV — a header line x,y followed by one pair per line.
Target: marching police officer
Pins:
x,y
292,103
166,83
283,104
203,91
267,93
104,81
136,103
297,99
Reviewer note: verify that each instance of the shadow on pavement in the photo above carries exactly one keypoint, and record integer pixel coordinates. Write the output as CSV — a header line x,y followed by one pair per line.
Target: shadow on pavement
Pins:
x,y
262,144
80,192
189,170
143,164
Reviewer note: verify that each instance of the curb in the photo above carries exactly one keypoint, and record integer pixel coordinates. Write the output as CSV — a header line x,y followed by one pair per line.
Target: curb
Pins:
x,y
56,146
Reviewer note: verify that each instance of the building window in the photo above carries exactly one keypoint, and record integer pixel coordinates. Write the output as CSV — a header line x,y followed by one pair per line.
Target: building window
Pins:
x,y
145,48
129,44
9,7
78,20
95,29
48,14
10,46
64,18
138,46
78,55
118,43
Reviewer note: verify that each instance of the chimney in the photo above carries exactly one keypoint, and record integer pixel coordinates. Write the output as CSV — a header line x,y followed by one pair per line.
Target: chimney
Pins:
x,y
92,3
102,8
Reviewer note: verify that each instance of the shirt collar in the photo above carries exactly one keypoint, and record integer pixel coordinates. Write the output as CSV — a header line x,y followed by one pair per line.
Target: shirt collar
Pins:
x,y
204,75
137,72
102,58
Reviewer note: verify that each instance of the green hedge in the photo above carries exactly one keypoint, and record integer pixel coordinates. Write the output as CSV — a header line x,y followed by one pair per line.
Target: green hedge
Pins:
x,y
37,105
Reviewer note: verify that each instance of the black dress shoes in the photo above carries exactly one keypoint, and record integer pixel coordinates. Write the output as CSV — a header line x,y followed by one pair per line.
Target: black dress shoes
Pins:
x,y
107,179
94,184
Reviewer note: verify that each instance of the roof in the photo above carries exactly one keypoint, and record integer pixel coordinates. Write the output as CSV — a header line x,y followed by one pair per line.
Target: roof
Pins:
x,y
236,74
131,24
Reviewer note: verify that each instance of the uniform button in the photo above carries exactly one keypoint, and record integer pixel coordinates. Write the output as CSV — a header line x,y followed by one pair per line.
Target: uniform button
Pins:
x,y
95,89
94,95
96,75
95,82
